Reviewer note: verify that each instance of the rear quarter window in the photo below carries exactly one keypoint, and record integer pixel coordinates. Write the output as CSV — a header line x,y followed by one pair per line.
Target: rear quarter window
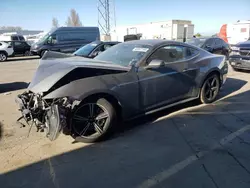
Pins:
x,y
191,52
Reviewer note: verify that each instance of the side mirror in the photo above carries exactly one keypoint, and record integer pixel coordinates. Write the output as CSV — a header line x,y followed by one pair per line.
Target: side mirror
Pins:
x,y
208,47
95,53
155,63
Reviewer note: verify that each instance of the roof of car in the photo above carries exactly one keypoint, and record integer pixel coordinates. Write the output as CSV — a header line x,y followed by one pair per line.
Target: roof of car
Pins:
x,y
153,42
111,42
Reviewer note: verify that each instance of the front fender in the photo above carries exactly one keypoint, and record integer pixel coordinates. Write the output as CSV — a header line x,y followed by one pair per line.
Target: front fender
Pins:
x,y
78,89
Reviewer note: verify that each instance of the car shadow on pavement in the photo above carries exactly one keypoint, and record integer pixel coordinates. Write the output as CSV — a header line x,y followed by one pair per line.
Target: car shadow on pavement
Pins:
x,y
133,157
7,87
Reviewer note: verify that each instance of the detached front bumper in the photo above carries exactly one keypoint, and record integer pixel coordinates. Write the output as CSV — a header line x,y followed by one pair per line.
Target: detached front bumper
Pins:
x,y
240,62
47,117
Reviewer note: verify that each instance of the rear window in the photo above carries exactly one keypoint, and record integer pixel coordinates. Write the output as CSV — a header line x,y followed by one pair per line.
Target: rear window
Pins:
x,y
21,38
14,37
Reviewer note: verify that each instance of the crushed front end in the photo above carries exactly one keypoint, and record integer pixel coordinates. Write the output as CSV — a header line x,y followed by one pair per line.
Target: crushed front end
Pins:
x,y
49,116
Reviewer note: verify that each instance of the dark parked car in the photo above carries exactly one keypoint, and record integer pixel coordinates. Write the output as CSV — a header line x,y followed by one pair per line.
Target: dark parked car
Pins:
x,y
214,45
240,56
65,39
86,97
20,48
94,48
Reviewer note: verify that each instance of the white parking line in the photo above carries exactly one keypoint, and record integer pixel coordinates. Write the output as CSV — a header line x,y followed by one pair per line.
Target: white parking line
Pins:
x,y
158,178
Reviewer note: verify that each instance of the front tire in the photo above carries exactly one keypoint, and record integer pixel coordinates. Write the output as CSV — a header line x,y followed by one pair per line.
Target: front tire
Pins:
x,y
210,89
93,120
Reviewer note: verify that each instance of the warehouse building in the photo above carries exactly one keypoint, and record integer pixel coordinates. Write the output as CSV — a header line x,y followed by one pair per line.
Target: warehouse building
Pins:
x,y
170,30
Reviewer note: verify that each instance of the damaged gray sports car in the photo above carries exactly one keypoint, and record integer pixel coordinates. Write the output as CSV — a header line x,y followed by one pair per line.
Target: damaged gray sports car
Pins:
x,y
87,98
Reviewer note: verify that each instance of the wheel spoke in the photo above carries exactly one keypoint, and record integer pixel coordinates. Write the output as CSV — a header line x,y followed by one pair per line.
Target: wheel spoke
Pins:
x,y
210,94
213,82
91,109
80,118
85,129
207,92
97,128
101,116
214,88
208,84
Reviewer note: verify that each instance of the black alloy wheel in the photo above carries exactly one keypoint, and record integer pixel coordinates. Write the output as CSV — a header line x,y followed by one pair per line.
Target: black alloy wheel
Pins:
x,y
210,89
92,121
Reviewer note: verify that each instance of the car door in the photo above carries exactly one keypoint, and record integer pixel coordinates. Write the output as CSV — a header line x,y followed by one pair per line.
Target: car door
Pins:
x,y
209,45
166,84
54,43
218,49
18,47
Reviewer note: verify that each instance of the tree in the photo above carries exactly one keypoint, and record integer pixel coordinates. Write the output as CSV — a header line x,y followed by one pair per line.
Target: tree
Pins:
x,y
197,35
55,23
73,19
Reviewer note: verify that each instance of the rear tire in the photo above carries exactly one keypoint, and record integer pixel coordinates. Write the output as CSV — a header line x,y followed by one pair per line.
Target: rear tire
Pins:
x,y
27,53
42,53
210,89
3,57
89,128
235,69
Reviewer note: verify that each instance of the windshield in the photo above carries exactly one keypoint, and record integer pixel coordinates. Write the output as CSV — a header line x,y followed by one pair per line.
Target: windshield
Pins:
x,y
124,53
45,37
86,49
197,41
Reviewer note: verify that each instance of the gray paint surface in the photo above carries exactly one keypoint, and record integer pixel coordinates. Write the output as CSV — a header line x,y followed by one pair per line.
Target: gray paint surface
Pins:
x,y
150,88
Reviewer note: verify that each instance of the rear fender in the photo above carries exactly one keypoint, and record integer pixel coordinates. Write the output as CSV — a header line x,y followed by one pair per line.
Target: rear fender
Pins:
x,y
213,63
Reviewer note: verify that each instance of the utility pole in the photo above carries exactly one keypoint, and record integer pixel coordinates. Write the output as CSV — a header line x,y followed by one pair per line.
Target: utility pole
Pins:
x,y
106,17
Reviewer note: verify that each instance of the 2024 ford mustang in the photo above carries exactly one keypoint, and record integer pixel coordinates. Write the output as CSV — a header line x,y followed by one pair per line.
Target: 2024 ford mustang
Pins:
x,y
85,98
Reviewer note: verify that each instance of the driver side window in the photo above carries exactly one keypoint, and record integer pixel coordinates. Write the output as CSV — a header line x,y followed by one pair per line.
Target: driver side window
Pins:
x,y
169,54
52,39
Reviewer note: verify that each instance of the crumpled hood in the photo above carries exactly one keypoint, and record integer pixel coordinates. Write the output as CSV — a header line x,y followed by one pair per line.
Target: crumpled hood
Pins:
x,y
53,66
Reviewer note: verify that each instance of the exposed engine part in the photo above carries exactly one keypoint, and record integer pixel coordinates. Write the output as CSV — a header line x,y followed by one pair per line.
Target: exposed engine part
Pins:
x,y
47,116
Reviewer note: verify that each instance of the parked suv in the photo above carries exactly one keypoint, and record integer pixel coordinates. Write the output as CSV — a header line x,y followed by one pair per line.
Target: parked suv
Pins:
x,y
12,37
65,39
20,47
240,56
5,51
214,45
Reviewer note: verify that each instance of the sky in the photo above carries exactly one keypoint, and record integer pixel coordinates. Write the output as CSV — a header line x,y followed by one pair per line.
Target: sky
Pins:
x,y
207,16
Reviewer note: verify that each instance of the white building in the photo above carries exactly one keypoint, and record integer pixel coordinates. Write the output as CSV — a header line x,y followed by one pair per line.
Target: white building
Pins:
x,y
170,30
